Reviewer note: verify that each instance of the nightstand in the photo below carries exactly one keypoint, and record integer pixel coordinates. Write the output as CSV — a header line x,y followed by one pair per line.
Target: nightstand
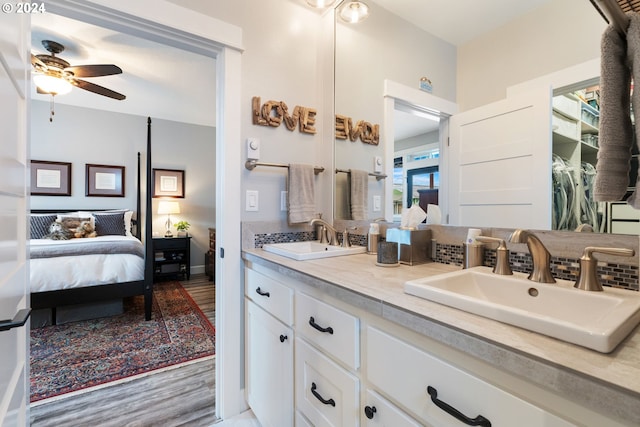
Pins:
x,y
171,257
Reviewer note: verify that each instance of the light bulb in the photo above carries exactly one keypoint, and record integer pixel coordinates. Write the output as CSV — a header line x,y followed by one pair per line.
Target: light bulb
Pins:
x,y
51,84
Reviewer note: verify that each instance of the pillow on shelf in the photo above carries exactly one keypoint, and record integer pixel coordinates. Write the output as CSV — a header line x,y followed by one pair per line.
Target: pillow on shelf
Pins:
x,y
110,224
40,223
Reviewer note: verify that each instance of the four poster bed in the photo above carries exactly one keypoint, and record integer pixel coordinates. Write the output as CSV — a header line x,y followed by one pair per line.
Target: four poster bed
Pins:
x,y
112,260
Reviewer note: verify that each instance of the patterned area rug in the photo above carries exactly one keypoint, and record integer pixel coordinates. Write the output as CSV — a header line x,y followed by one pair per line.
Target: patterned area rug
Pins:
x,y
78,355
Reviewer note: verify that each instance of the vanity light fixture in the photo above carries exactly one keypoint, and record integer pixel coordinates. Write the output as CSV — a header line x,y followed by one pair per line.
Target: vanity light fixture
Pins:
x,y
320,4
354,11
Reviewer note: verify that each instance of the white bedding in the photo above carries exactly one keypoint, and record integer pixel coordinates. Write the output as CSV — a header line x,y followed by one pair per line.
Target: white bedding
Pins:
x,y
66,272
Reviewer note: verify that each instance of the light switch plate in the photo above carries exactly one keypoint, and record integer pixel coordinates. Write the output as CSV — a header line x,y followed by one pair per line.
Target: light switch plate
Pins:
x,y
253,149
376,203
283,200
252,200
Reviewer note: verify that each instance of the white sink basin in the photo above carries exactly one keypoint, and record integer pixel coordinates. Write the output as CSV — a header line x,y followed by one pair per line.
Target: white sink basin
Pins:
x,y
302,251
596,320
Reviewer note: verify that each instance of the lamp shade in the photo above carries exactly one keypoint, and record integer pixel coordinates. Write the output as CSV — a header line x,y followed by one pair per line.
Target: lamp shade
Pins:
x,y
166,207
51,84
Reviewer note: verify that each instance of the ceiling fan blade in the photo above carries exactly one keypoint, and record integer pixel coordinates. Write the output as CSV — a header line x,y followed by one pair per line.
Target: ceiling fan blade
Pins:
x,y
100,90
94,70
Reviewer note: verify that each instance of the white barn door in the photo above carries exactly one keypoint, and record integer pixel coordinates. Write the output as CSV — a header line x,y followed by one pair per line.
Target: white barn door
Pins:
x,y
15,60
500,163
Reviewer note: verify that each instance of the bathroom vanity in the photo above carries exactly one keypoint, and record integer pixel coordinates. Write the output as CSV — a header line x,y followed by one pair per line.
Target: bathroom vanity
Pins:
x,y
337,342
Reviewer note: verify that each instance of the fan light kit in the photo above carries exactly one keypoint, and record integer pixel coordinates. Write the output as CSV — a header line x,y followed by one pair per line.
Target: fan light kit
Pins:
x,y
55,76
320,4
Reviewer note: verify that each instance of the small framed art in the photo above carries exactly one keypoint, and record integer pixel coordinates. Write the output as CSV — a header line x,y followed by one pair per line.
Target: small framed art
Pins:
x,y
50,178
168,183
105,181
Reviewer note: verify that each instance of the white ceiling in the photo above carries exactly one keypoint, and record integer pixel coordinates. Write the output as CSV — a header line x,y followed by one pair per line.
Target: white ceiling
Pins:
x,y
158,80
172,84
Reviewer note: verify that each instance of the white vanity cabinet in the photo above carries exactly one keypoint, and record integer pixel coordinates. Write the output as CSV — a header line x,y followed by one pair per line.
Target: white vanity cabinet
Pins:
x,y
269,350
440,394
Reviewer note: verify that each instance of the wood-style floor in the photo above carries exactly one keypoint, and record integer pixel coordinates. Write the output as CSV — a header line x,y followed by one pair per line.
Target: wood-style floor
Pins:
x,y
183,396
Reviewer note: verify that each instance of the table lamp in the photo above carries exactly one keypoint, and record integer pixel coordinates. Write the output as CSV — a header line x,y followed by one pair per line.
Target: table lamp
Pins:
x,y
168,208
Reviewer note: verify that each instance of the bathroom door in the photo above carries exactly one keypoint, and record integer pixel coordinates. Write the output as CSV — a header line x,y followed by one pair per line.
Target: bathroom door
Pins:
x,y
14,269
500,163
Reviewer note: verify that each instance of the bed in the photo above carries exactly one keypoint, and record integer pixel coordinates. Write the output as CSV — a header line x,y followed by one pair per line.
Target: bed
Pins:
x,y
105,256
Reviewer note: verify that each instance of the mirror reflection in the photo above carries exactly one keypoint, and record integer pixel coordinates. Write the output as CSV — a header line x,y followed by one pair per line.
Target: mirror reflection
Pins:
x,y
387,48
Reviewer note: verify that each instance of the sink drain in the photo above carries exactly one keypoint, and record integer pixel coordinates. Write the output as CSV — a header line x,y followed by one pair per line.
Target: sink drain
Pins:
x,y
533,292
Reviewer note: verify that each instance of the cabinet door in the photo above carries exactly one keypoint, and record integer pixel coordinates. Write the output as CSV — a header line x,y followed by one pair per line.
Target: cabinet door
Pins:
x,y
379,412
405,373
326,394
269,368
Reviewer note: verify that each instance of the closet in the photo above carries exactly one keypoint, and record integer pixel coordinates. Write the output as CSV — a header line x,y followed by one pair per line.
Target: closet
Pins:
x,y
575,121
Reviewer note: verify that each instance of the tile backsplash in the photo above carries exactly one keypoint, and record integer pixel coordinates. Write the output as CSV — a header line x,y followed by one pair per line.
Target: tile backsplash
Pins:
x,y
449,250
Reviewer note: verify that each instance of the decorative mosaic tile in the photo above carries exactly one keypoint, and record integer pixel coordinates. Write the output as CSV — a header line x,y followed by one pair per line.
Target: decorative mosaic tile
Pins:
x,y
300,236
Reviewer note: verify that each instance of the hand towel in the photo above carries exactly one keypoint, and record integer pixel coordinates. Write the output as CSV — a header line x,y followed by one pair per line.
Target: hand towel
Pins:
x,y
633,54
359,183
615,138
301,191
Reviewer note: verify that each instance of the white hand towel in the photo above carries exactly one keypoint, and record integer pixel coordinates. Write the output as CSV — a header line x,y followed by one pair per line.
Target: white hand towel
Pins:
x,y
615,138
359,183
302,197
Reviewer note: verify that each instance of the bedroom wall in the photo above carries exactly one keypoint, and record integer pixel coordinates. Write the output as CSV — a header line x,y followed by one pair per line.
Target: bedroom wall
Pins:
x,y
82,135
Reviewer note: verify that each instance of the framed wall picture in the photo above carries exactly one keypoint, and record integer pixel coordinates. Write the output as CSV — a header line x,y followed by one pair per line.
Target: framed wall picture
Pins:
x,y
50,178
105,181
168,183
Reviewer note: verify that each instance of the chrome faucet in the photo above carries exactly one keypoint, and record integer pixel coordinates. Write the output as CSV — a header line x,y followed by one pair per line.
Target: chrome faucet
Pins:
x,y
332,237
540,255
588,279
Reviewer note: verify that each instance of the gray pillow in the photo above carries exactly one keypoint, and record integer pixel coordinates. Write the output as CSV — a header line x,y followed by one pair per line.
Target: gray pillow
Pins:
x,y
109,224
40,224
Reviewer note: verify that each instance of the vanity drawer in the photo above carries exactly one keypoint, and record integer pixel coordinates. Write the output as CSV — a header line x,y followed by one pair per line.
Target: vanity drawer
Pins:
x,y
384,413
329,328
326,394
269,294
404,372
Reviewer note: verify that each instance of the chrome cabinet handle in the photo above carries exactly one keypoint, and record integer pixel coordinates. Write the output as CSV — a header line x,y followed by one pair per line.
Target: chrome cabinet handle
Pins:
x,y
477,421
313,323
20,319
262,293
320,398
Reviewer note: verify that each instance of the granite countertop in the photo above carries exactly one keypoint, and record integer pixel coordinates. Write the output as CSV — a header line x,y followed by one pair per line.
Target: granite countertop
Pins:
x,y
607,383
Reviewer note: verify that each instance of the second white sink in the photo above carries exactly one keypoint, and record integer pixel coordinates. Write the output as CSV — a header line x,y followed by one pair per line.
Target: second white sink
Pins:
x,y
301,251
596,320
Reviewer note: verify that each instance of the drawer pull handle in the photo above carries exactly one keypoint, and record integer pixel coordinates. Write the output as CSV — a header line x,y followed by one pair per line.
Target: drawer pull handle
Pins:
x,y
262,293
283,338
477,421
313,323
370,411
320,398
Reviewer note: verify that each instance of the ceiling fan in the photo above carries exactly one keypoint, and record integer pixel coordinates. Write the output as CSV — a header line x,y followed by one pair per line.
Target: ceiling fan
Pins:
x,y
54,76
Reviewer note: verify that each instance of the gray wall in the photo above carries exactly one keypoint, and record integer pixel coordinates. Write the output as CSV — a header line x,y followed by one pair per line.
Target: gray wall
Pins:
x,y
82,135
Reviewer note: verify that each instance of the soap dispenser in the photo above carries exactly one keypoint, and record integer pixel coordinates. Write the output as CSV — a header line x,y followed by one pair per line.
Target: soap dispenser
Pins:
x,y
373,238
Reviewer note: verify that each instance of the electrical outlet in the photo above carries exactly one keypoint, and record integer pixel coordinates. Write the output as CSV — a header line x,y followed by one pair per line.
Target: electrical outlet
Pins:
x,y
252,200
283,200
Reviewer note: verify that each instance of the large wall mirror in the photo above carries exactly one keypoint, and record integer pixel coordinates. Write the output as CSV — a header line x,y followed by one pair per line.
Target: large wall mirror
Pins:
x,y
385,48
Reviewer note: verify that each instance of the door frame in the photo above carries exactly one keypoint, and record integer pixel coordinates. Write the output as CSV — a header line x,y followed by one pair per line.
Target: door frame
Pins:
x,y
186,29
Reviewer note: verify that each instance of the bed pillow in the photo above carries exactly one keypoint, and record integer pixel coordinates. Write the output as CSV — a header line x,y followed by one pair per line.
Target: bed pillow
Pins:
x,y
110,224
39,224
77,227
